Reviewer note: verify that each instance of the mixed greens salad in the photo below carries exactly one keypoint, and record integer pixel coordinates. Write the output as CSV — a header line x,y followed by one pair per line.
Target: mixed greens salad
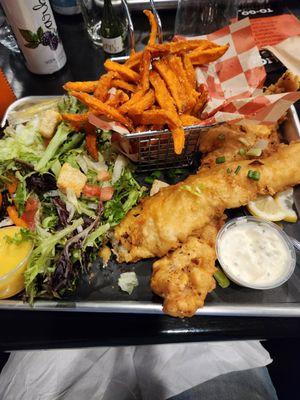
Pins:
x,y
65,188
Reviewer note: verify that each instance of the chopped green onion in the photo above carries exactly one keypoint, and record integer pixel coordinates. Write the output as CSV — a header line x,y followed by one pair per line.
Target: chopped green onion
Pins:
x,y
238,168
221,278
156,174
229,170
196,189
244,141
242,152
255,152
220,160
221,136
149,179
255,175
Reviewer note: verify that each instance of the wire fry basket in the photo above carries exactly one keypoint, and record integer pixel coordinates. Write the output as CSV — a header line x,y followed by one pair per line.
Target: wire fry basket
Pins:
x,y
154,150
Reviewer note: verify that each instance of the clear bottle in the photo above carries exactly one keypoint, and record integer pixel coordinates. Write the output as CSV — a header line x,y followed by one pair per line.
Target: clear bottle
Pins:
x,y
112,30
200,17
33,24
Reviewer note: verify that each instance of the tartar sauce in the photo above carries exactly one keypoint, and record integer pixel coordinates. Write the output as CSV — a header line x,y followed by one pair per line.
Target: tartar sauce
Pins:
x,y
254,253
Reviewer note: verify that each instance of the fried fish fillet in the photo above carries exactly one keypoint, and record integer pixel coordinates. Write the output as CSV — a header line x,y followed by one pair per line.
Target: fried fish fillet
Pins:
x,y
185,277
288,82
233,141
163,222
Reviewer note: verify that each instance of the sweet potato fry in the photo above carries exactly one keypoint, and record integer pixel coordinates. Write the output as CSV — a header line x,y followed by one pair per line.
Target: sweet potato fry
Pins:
x,y
201,102
118,83
189,70
134,60
179,48
91,140
207,55
173,84
160,117
134,98
104,84
188,120
175,63
143,104
126,73
166,117
144,70
153,24
102,108
116,99
162,95
76,120
87,86
141,128
178,139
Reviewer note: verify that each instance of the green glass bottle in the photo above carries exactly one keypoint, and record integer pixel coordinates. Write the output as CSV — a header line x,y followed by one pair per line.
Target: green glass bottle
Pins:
x,y
112,30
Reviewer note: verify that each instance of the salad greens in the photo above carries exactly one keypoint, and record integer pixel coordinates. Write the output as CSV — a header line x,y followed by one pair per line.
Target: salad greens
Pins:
x,y
67,230
57,141
127,193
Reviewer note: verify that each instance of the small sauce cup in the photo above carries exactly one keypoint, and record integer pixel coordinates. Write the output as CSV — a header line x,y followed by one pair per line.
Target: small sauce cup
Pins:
x,y
12,279
281,236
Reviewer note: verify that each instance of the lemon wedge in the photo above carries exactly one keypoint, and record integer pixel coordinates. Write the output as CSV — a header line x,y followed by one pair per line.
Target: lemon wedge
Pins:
x,y
265,207
286,200
279,208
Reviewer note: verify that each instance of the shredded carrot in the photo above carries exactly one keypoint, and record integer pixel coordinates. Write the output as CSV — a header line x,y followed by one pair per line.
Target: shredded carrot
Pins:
x,y
12,187
13,215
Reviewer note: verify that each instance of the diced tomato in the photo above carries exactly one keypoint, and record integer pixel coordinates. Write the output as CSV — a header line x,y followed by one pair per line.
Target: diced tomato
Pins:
x,y
107,193
103,176
91,190
1,199
103,193
47,141
31,208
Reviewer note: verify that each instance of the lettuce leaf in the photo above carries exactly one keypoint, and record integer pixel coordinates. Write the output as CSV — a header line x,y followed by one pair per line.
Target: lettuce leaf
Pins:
x,y
43,254
56,142
69,104
97,234
21,196
126,195
24,143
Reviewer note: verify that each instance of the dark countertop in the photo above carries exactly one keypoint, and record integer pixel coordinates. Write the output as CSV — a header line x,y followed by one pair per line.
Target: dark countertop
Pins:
x,y
41,329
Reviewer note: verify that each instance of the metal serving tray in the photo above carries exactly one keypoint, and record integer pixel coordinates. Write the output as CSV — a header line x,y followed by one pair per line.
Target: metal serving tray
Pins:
x,y
102,294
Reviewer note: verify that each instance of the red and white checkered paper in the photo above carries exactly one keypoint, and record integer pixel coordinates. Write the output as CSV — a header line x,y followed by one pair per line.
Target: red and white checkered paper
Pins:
x,y
234,82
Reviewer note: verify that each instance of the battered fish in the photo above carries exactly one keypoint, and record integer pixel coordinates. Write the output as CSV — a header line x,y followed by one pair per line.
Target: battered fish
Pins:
x,y
234,141
288,82
163,222
185,277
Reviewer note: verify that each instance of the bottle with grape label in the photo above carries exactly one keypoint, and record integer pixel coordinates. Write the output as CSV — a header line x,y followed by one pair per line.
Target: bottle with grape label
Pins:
x,y
33,24
112,30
